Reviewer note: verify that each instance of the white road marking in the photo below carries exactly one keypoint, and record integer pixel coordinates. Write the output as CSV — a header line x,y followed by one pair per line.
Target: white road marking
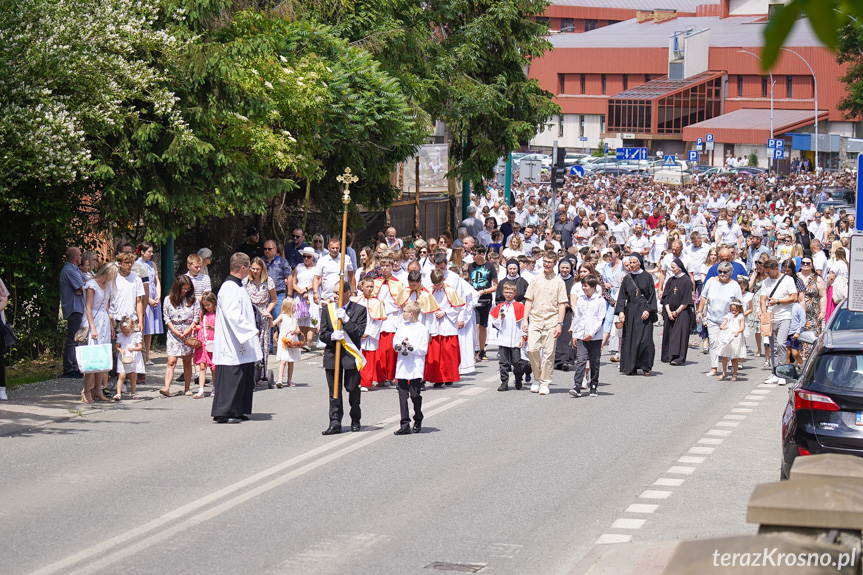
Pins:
x,y
473,390
741,410
126,549
754,398
748,404
628,523
727,423
689,459
652,494
609,538
495,377
641,508
397,417
769,385
761,391
681,470
668,482
709,441
701,450
719,432
737,417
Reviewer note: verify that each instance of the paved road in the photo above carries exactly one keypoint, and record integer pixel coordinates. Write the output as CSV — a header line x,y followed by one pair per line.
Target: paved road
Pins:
x,y
515,481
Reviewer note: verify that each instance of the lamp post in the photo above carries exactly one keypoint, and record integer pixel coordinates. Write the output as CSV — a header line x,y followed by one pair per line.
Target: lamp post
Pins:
x,y
815,84
772,83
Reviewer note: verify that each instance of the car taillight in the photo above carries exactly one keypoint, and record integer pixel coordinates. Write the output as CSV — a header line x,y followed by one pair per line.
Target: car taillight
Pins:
x,y
807,400
801,451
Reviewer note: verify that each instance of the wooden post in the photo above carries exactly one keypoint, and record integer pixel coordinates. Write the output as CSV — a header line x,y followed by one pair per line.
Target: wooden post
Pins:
x,y
347,179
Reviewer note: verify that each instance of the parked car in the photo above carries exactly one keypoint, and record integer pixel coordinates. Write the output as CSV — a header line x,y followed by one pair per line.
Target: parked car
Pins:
x,y
544,158
845,319
753,170
572,159
634,165
824,413
658,165
841,194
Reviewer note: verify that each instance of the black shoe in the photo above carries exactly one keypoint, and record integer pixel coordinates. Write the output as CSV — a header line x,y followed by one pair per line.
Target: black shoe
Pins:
x,y
593,392
180,377
527,378
333,429
575,392
503,387
517,384
403,430
270,380
226,420
72,375
482,356
355,426
418,426
564,367
437,385
244,417
448,383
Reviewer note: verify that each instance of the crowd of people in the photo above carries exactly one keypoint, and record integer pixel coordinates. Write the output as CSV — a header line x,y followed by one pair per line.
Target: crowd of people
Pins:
x,y
554,281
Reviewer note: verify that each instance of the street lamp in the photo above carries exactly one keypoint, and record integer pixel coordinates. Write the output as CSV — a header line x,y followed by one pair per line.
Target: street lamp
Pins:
x,y
772,83
815,83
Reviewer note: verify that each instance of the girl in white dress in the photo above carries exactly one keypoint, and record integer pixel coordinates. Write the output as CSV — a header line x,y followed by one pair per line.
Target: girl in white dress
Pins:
x,y
733,327
306,299
98,296
130,360
288,331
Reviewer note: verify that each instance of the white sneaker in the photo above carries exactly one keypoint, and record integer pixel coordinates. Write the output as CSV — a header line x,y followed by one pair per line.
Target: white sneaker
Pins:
x,y
321,345
534,388
780,381
3,396
774,379
543,390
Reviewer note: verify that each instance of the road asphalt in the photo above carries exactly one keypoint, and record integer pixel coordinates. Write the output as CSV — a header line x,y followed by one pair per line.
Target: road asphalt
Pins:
x,y
506,482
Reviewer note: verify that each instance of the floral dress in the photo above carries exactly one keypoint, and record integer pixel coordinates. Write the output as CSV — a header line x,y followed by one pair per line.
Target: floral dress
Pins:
x,y
754,318
260,296
181,317
813,311
373,273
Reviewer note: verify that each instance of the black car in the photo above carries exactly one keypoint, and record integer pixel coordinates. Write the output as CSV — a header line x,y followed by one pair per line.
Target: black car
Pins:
x,y
825,399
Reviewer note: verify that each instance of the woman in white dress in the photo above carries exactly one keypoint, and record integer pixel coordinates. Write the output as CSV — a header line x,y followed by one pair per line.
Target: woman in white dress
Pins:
x,y
98,296
307,301
181,313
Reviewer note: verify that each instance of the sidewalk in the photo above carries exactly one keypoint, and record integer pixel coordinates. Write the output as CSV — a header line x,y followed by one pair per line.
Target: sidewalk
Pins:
x,y
39,404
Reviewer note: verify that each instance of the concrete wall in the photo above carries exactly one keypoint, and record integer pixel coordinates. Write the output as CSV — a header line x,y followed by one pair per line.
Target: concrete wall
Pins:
x,y
570,138
696,48
751,7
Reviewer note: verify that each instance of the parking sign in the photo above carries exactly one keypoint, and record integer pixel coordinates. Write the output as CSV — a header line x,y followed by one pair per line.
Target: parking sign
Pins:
x,y
710,138
693,155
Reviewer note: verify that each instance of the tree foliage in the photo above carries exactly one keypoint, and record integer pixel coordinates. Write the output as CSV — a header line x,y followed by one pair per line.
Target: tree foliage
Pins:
x,y
850,52
827,17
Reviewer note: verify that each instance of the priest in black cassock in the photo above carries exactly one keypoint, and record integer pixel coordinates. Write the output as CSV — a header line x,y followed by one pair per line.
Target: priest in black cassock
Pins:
x,y
677,311
636,308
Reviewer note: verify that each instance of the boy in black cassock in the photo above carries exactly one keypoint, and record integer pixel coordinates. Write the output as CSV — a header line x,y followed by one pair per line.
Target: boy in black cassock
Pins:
x,y
636,308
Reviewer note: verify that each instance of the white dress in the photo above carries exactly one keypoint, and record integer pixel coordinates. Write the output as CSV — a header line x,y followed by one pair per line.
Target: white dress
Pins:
x,y
285,353
736,348
305,279
125,341
101,321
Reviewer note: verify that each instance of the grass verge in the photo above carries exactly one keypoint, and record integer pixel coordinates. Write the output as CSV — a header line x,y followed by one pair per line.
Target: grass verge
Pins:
x,y
25,372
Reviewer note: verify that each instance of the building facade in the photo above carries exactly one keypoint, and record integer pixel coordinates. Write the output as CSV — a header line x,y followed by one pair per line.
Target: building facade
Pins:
x,y
662,79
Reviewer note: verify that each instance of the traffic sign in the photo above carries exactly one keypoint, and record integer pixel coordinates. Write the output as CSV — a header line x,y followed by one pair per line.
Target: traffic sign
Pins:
x,y
582,139
780,144
670,161
778,154
771,143
576,171
709,138
855,272
606,148
631,153
699,141
693,155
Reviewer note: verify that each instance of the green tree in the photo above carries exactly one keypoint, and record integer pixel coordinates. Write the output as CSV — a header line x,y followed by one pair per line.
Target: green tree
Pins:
x,y
827,17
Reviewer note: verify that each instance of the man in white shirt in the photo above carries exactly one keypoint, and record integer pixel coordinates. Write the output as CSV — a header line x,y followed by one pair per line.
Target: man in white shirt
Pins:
x,y
819,258
638,243
665,265
817,228
808,212
530,240
484,237
694,256
762,225
730,234
393,242
128,291
698,221
498,214
327,272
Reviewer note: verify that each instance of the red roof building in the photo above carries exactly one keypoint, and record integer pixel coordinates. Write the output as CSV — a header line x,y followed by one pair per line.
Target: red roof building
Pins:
x,y
662,78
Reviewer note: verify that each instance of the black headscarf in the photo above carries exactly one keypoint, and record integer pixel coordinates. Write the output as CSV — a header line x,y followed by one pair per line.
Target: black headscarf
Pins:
x,y
639,257
679,263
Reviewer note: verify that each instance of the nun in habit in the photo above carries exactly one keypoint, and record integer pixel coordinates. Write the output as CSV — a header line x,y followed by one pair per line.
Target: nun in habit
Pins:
x,y
677,312
564,353
636,308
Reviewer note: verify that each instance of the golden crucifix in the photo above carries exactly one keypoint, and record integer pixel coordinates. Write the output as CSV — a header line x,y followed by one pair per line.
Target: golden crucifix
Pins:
x,y
347,179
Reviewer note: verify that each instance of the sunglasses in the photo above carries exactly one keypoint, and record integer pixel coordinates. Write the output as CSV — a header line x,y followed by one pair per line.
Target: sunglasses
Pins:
x,y
296,237
805,263
309,257
269,249
722,273
318,241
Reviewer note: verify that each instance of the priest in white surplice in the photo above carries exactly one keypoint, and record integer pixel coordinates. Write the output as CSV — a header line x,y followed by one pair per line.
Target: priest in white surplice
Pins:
x,y
237,347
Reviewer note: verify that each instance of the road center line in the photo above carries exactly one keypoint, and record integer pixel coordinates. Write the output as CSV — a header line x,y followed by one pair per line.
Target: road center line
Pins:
x,y
136,533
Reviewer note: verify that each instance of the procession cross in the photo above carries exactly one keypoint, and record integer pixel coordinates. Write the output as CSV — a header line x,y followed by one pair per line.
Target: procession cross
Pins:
x,y
347,179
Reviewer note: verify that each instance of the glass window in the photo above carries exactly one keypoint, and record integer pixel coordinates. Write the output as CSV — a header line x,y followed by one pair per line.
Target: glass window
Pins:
x,y
561,81
626,81
604,83
839,372
583,84
560,126
739,85
764,86
567,25
581,124
591,25
789,85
